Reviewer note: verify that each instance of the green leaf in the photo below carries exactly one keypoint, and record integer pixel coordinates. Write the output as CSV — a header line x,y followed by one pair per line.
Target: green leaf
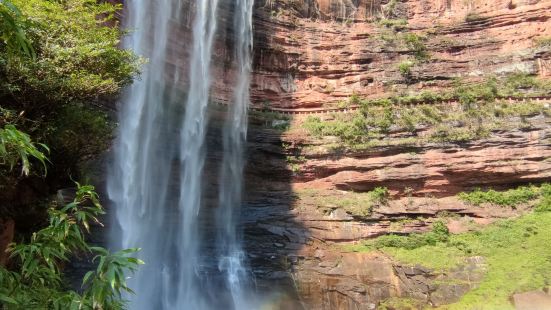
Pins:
x,y
86,277
8,300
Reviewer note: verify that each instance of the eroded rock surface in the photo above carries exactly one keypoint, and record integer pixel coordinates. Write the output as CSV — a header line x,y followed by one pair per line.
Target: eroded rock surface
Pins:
x,y
314,53
296,235
503,160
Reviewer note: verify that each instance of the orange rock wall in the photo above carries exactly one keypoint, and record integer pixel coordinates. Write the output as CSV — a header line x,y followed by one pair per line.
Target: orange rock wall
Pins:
x,y
314,53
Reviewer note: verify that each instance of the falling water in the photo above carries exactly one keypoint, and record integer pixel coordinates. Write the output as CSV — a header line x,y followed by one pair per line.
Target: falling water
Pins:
x,y
162,132
192,157
231,176
138,181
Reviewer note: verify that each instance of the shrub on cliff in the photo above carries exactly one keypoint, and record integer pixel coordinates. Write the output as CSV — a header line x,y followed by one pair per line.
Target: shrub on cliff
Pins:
x,y
438,234
416,44
510,198
473,17
544,204
519,84
405,69
470,94
514,252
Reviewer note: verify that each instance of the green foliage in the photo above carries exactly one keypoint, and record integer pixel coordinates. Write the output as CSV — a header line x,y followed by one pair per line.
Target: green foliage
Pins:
x,y
516,253
37,281
518,84
469,94
544,203
17,147
522,81
446,133
77,55
401,303
351,131
389,10
315,126
510,198
294,162
80,131
519,109
423,97
105,285
56,59
355,204
416,44
377,118
405,69
294,158
354,99
379,195
12,30
438,234
394,24
474,17
409,40
449,124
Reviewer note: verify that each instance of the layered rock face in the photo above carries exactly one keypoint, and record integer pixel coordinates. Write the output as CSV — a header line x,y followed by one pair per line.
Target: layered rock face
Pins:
x,y
296,230
502,161
314,53
319,53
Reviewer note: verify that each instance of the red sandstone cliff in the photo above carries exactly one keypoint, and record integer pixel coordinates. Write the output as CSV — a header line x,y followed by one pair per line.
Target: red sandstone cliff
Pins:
x,y
313,53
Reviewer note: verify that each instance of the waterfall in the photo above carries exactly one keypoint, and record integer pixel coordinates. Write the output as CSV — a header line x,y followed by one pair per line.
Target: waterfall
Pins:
x,y
231,176
192,157
155,182
138,182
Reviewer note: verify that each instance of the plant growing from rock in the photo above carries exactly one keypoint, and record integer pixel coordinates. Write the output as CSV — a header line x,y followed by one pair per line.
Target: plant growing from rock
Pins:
x,y
388,11
380,195
478,116
415,43
438,234
294,158
396,25
474,17
544,203
405,69
509,198
357,204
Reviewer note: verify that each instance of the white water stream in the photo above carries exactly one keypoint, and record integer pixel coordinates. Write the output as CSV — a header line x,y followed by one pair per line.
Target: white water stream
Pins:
x,y
156,179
